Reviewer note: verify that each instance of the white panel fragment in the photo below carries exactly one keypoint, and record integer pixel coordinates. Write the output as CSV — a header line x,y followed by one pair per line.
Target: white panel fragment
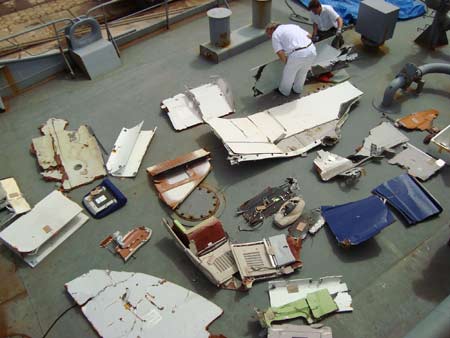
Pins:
x,y
129,150
71,157
284,292
418,163
330,165
199,104
384,136
14,197
261,135
127,304
38,233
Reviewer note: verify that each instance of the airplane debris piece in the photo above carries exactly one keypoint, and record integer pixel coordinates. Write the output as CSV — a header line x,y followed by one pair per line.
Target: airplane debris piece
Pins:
x,y
383,136
200,104
442,142
312,308
290,129
287,291
418,163
132,304
330,165
176,179
207,245
36,234
409,198
12,200
355,222
294,331
267,76
269,258
289,212
129,150
70,157
421,120
268,202
104,199
128,244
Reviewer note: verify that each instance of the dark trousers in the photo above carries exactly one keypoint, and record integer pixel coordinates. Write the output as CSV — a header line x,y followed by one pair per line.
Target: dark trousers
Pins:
x,y
326,34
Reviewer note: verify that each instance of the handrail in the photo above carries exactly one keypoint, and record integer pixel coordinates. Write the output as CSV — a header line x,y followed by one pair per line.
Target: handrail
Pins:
x,y
37,27
34,28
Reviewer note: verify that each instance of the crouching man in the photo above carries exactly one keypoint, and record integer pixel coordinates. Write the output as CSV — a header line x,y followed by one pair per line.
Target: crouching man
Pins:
x,y
295,49
326,22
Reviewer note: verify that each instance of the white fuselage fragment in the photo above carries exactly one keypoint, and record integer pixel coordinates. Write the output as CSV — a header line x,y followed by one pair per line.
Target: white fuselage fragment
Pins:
x,y
259,136
129,304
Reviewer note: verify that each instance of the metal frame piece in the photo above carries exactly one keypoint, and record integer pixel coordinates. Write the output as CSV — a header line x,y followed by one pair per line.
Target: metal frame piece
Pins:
x,y
129,150
70,157
288,291
207,245
441,141
12,200
176,179
418,163
133,304
125,246
36,234
268,202
197,105
290,129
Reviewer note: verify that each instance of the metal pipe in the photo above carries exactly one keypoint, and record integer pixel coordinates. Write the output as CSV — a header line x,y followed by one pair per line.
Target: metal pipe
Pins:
x,y
400,81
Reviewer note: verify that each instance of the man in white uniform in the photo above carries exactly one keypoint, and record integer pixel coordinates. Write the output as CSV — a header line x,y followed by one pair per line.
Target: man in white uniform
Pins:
x,y
295,49
326,22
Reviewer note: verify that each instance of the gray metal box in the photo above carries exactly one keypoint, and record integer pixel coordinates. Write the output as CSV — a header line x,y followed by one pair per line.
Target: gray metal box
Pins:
x,y
377,20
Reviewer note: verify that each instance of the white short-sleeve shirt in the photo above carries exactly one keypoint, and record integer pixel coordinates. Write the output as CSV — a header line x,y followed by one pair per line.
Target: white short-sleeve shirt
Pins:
x,y
327,18
290,37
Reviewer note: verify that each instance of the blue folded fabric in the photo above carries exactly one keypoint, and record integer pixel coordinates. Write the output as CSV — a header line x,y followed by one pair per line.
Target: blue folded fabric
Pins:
x,y
356,222
409,198
348,9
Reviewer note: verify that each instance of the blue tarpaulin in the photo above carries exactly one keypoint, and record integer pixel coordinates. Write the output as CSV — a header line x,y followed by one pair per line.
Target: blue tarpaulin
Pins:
x,y
409,197
348,9
356,222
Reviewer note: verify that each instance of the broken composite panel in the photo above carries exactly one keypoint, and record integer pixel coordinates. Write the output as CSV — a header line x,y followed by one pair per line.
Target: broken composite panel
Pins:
x,y
208,246
132,304
290,129
129,150
36,234
175,179
72,158
200,104
12,200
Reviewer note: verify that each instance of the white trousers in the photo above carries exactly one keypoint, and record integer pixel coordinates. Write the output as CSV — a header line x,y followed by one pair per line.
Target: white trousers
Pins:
x,y
294,74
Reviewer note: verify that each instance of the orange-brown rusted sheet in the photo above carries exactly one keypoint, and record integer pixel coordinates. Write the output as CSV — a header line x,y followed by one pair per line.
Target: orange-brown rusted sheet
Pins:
x,y
422,120
176,179
133,240
170,164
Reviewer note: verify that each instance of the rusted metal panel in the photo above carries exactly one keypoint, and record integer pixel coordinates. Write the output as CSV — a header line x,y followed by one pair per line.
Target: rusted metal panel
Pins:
x,y
125,246
176,179
70,157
